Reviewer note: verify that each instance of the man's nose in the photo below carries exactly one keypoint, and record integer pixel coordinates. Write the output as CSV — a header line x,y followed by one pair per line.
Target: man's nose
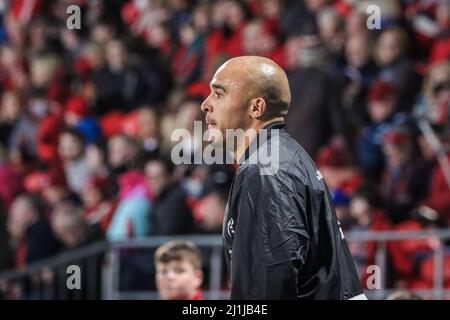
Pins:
x,y
206,107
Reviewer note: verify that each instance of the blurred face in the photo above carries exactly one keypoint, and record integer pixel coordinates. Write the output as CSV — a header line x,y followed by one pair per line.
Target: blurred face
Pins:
x,y
187,35
211,209
54,194
440,85
359,208
315,5
328,26
271,8
115,54
396,156
356,23
187,114
91,197
217,16
178,280
94,157
156,36
381,110
292,48
119,152
9,57
235,14
65,229
228,105
426,148
157,177
389,48
358,51
201,18
257,41
20,217
10,108
102,33
443,14
148,124
69,147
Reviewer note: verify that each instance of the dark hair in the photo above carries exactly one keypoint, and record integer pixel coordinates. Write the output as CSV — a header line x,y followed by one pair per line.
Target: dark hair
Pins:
x,y
371,193
74,133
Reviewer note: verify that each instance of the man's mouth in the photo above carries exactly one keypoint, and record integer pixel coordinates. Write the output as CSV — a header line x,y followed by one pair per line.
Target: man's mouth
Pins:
x,y
211,123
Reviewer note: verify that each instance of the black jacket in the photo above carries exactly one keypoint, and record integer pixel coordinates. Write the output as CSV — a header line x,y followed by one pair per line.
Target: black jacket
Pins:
x,y
281,236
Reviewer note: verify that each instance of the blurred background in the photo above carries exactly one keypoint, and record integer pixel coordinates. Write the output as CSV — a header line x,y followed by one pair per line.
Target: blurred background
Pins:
x,y
86,118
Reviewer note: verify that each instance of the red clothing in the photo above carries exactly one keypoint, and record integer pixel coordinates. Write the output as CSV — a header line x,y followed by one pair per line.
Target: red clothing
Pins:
x,y
440,50
198,295
439,196
102,214
380,223
48,135
404,253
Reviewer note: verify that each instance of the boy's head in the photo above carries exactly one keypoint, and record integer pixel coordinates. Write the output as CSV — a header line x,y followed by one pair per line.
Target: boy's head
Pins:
x,y
179,272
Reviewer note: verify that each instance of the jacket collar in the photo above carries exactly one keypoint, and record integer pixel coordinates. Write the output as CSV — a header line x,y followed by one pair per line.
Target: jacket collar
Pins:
x,y
252,147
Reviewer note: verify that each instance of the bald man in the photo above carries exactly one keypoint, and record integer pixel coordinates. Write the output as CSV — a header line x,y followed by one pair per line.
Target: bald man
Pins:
x,y
281,236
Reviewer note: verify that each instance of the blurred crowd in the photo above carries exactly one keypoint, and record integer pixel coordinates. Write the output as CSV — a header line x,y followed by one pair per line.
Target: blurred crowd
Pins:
x,y
86,117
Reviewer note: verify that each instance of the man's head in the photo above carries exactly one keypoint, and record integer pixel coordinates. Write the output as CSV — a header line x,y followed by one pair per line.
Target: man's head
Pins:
x,y
68,224
122,150
159,175
247,92
178,270
70,145
24,210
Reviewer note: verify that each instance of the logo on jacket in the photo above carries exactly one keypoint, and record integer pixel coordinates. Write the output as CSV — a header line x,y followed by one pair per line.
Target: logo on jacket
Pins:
x,y
230,227
319,175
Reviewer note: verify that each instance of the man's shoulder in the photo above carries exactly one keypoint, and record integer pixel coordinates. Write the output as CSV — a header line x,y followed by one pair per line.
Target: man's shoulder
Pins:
x,y
288,165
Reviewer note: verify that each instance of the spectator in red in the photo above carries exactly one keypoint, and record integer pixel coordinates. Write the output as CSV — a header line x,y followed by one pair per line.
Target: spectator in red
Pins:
x,y
440,50
99,208
13,74
9,190
335,164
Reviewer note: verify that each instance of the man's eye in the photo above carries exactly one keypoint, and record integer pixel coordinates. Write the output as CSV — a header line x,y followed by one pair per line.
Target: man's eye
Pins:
x,y
218,94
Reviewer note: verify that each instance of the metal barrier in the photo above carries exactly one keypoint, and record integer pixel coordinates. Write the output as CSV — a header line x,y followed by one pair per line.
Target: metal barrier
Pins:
x,y
105,265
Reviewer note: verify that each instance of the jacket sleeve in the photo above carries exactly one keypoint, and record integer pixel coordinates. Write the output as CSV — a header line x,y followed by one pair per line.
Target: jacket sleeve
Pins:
x,y
270,243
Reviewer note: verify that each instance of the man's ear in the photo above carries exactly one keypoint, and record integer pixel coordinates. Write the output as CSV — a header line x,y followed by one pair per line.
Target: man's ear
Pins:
x,y
258,107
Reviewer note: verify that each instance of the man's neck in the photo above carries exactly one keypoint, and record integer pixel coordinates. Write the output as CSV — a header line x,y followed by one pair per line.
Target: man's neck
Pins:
x,y
243,144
